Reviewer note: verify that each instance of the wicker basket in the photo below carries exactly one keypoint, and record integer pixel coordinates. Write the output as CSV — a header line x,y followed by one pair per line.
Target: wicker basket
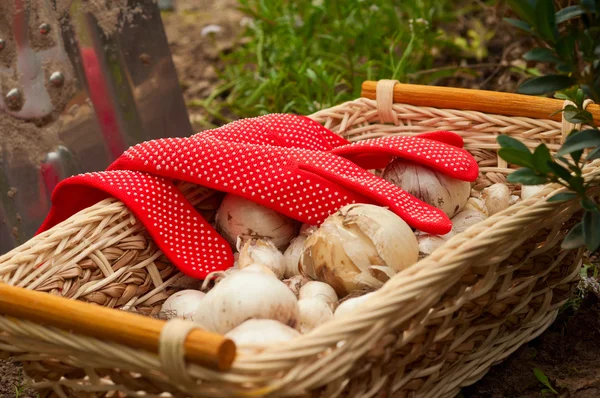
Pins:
x,y
433,328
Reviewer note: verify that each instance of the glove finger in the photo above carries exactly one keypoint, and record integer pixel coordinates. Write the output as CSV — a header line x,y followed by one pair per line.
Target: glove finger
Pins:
x,y
285,130
413,211
446,159
184,237
446,137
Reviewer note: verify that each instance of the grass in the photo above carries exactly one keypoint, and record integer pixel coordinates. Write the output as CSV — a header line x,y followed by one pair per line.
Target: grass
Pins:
x,y
303,56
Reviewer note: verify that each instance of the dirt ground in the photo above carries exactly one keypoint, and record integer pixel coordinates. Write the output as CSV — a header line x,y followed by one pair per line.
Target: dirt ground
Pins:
x,y
11,382
568,353
196,56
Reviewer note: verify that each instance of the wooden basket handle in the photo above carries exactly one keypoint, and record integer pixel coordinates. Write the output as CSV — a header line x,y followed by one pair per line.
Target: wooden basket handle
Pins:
x,y
136,331
492,102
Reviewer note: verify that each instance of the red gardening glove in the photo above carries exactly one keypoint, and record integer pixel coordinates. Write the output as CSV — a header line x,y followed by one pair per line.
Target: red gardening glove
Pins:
x,y
281,178
439,150
182,234
319,183
284,130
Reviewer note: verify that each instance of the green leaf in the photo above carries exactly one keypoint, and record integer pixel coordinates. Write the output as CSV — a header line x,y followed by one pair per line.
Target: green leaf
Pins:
x,y
542,378
563,196
576,156
574,238
562,96
541,55
526,176
589,5
507,141
541,158
523,9
565,48
545,84
591,230
579,97
568,13
514,156
519,24
546,20
574,115
595,154
560,171
581,140
589,205
311,74
564,68
576,184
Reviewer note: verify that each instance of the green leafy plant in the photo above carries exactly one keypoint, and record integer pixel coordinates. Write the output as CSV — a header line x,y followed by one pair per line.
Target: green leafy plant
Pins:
x,y
303,56
570,43
542,378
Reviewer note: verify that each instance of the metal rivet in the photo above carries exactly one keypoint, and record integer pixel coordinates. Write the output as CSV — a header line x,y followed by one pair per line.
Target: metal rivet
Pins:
x,y
57,79
45,28
145,58
2,44
14,99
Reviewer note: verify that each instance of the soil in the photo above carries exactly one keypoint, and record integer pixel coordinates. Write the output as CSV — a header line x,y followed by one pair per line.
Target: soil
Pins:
x,y
568,353
196,53
11,382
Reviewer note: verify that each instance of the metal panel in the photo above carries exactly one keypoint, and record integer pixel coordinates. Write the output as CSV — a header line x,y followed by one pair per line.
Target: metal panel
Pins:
x,y
78,86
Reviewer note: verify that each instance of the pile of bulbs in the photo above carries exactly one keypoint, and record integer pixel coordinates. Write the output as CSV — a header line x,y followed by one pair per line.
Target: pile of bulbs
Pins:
x,y
289,279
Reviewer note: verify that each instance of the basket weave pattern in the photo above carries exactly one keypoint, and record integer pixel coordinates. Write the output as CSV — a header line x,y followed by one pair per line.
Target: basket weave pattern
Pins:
x,y
431,329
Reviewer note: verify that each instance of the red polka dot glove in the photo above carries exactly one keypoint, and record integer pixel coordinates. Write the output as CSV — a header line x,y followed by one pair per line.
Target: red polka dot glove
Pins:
x,y
182,234
438,150
302,184
305,185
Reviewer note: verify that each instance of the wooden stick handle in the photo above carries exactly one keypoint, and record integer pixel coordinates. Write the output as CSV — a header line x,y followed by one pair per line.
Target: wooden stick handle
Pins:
x,y
476,100
136,331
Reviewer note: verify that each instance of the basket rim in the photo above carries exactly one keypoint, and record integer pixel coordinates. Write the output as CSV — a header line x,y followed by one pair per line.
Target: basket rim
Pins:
x,y
472,99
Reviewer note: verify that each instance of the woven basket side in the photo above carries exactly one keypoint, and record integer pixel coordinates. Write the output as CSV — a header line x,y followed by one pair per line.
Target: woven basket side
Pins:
x,y
434,327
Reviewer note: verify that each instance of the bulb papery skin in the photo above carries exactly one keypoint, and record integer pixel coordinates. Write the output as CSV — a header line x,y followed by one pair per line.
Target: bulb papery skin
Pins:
x,y
307,229
528,191
476,204
183,304
313,313
358,248
295,283
473,213
240,217
496,197
260,268
258,251
243,295
465,219
319,290
292,256
254,335
428,244
347,306
447,194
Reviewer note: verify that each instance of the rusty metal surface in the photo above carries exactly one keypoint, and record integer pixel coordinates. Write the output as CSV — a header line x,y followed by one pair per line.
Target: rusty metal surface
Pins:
x,y
74,96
